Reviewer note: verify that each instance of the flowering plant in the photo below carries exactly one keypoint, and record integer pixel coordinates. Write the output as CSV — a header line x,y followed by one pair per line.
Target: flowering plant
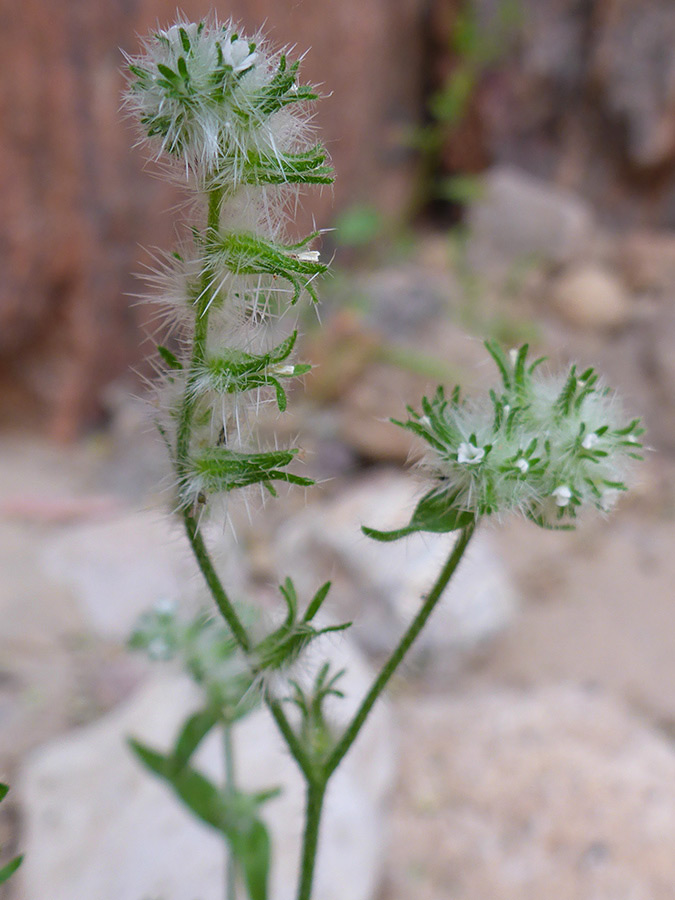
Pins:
x,y
230,118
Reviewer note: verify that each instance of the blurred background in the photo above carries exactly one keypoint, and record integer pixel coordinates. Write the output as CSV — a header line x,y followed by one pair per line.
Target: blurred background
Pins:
x,y
505,169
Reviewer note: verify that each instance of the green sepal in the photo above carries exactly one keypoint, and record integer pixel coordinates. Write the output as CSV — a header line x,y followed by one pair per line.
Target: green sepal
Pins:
x,y
435,513
315,733
169,358
281,91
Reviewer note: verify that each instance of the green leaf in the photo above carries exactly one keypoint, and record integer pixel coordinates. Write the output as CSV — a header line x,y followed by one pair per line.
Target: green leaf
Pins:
x,y
192,734
252,851
435,513
197,792
10,868
7,871
232,813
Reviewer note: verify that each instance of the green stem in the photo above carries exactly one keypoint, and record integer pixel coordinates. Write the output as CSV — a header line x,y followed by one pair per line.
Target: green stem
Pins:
x,y
298,752
184,434
214,583
230,865
314,804
316,784
395,659
199,341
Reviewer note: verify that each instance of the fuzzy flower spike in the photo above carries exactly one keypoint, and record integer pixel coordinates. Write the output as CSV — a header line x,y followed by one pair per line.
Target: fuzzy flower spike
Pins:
x,y
225,106
233,114
544,445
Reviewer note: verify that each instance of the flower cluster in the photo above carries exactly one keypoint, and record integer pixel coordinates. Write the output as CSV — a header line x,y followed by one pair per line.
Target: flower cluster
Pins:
x,y
544,445
225,106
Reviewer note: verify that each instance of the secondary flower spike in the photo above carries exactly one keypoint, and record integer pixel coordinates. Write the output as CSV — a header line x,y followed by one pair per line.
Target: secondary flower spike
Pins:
x,y
544,445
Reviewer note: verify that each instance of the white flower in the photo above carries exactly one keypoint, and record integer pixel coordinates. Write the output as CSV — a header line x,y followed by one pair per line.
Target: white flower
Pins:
x,y
523,465
467,453
239,55
165,606
590,441
158,649
562,495
307,256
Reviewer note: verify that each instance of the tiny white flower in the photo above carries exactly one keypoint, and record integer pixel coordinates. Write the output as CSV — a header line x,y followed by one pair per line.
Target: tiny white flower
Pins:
x,y
237,54
590,441
467,453
158,648
513,355
284,370
523,465
165,606
308,256
507,408
562,495
632,439
425,420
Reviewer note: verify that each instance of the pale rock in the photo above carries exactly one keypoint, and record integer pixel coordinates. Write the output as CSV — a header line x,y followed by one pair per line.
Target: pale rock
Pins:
x,y
557,793
520,219
97,825
591,296
379,586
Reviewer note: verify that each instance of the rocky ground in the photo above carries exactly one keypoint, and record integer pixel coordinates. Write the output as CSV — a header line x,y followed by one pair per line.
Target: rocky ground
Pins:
x,y
535,725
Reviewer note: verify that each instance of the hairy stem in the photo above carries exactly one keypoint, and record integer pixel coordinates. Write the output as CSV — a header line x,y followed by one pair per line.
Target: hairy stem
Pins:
x,y
316,788
404,645
214,583
313,808
202,303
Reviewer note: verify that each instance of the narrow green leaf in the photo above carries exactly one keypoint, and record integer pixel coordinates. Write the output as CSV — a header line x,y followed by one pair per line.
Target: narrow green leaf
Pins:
x,y
252,851
192,734
435,513
197,792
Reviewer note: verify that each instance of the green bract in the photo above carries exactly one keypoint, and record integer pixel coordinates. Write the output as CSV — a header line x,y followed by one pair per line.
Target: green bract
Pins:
x,y
250,254
218,470
235,371
283,646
